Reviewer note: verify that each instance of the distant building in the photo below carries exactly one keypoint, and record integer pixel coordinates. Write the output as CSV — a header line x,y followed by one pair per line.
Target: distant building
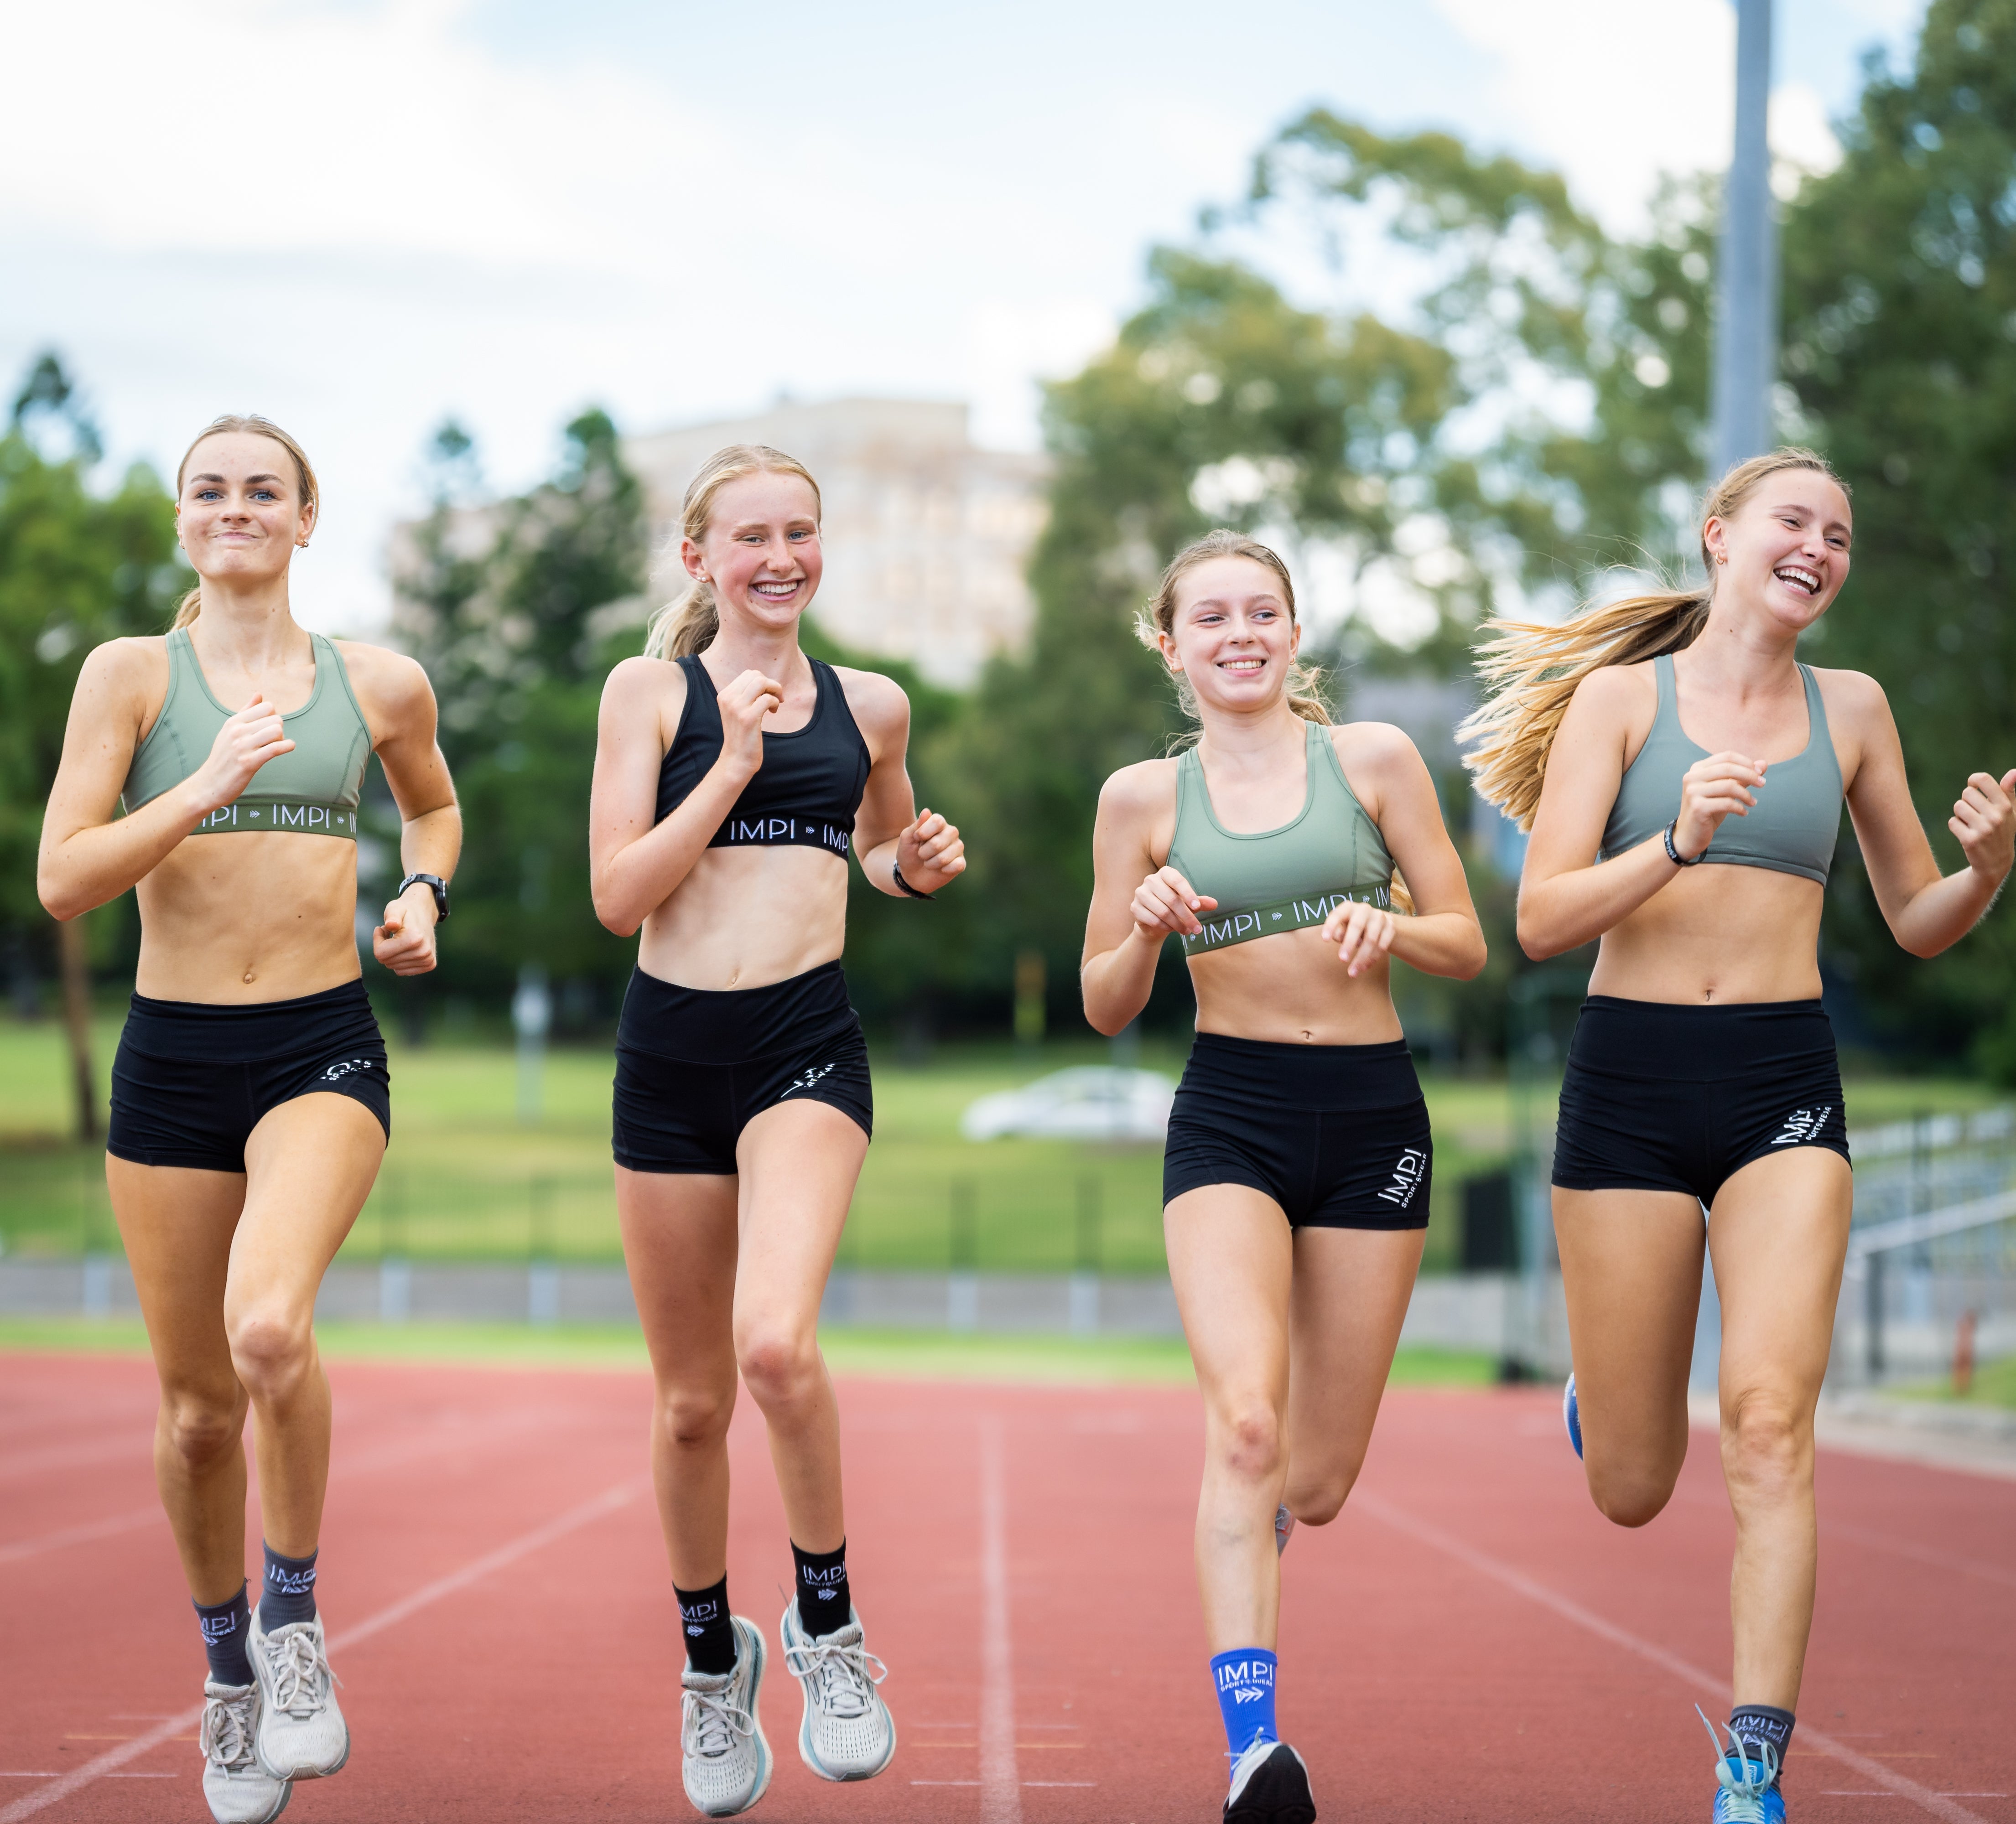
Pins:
x,y
927,537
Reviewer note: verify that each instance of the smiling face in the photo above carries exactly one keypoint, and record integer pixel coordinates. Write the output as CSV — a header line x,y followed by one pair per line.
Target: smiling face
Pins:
x,y
1232,635
1784,550
241,514
761,550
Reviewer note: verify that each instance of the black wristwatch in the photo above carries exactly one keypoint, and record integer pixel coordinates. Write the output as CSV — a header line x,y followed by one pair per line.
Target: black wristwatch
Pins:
x,y
437,886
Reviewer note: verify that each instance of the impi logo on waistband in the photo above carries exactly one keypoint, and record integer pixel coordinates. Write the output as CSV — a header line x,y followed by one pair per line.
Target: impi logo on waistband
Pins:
x,y
1286,914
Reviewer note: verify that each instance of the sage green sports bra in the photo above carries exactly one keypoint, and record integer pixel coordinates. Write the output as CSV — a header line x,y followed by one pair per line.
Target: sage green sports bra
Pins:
x,y
1792,828
1276,880
314,789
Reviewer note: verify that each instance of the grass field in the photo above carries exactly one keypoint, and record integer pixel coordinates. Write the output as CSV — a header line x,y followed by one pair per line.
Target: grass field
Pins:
x,y
463,1178
933,1356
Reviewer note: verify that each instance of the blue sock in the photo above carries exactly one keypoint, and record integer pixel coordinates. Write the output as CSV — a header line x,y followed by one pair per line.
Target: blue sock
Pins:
x,y
288,1596
224,1625
1245,1682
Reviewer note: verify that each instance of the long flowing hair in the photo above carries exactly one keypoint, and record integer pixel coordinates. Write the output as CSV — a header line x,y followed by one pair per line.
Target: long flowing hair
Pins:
x,y
252,425
686,625
1530,670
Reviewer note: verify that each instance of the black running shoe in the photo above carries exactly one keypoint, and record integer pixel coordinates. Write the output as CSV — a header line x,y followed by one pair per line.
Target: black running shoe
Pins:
x,y
1270,1785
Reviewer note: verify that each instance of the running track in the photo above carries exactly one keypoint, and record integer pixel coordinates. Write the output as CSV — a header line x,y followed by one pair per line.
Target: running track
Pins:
x,y
1469,1641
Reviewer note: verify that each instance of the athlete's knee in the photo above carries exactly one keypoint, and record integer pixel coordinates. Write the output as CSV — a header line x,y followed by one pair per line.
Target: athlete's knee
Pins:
x,y
1634,1492
1316,1501
271,1348
1766,1445
695,1417
1247,1434
779,1363
201,1428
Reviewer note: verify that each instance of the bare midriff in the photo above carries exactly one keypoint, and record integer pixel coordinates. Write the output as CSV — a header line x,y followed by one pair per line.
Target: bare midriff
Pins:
x,y
744,918
258,915
1716,935
1290,989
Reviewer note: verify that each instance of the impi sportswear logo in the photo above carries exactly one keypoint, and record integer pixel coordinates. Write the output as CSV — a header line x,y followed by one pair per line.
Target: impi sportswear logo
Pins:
x,y
697,1615
1249,1680
1803,1124
822,1582
805,1079
1408,1172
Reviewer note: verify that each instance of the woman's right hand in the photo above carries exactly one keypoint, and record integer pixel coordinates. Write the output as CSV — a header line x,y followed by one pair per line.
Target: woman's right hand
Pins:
x,y
1719,785
1163,903
247,740
744,702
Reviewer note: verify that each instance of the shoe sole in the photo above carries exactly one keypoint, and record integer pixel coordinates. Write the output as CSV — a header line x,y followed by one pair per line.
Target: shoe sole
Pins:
x,y
751,1636
811,1759
285,1798
1273,1798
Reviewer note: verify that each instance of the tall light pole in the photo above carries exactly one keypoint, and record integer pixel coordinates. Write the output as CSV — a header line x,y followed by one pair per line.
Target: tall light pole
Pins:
x,y
1746,324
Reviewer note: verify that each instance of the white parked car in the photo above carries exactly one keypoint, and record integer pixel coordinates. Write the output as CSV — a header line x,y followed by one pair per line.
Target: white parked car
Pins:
x,y
1094,1101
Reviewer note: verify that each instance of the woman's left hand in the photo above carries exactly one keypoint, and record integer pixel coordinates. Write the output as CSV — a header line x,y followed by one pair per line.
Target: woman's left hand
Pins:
x,y
1984,818
405,944
1362,934
929,853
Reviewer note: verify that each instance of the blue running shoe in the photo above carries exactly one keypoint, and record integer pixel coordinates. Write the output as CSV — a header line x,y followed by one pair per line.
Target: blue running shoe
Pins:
x,y
1746,1790
1571,1414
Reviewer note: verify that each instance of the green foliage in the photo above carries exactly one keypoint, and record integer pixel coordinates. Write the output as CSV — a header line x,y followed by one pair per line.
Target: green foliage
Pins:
x,y
502,605
1900,341
77,568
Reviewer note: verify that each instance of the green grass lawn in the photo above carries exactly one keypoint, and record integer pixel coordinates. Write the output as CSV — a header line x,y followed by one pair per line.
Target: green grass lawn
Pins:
x,y
464,1179
927,1355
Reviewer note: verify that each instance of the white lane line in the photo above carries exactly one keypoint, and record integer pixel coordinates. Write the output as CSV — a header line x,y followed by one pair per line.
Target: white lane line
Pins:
x,y
1938,1804
103,1766
1000,1788
1923,1554
83,1535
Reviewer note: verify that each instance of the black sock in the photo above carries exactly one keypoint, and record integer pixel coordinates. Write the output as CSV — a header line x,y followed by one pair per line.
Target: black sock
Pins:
x,y
710,1635
224,1625
289,1595
1759,1722
824,1604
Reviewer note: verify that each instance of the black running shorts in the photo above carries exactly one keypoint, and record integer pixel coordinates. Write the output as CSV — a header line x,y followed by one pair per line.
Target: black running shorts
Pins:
x,y
1336,1134
1658,1097
694,1067
192,1079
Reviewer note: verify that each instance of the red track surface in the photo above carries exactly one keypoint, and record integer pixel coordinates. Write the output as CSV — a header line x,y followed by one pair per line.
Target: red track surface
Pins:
x,y
1471,1641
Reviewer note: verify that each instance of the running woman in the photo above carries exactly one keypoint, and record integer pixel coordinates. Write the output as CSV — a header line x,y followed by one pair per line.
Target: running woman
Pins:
x,y
1683,776
1295,1182
250,1100
734,776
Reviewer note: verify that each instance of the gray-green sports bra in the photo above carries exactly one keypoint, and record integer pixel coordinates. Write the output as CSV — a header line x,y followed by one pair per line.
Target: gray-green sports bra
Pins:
x,y
1792,828
1283,880
314,789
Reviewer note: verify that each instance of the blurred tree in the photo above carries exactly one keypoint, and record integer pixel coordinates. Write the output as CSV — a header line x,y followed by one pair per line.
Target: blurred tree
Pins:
x,y
1900,344
76,569
513,610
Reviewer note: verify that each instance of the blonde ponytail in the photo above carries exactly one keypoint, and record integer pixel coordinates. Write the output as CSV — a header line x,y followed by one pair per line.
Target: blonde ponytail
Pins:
x,y
685,627
1530,670
250,424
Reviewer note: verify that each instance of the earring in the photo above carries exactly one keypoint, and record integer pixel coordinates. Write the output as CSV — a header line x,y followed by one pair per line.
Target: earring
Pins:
x,y
1721,557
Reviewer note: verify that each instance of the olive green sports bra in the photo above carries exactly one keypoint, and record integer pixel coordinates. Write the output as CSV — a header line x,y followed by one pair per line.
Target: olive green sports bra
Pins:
x,y
1792,828
1276,880
314,789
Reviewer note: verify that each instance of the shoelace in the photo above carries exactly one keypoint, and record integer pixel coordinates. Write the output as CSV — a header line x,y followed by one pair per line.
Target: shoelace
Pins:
x,y
224,1735
709,1724
842,1684
298,1670
1746,1789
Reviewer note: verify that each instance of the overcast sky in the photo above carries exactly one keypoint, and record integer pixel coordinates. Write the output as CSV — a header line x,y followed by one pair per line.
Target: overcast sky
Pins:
x,y
358,218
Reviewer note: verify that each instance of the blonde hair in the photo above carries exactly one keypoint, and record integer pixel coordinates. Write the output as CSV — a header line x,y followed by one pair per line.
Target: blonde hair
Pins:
x,y
1159,617
251,424
1530,670
686,626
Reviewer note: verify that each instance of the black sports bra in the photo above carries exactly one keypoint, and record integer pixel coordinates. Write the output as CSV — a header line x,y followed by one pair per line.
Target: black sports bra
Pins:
x,y
809,787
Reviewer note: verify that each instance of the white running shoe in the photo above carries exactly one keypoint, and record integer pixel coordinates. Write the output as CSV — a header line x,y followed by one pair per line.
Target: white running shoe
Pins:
x,y
848,1732
240,1790
723,1758
302,1734
1284,1527
1270,1785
